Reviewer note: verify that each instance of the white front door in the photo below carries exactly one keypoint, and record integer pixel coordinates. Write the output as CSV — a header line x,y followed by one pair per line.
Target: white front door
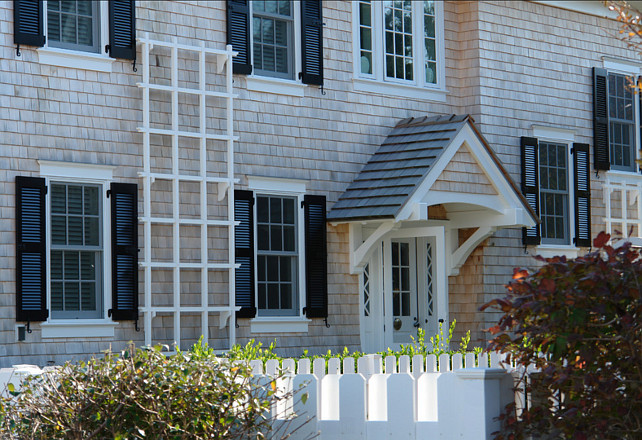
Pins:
x,y
398,293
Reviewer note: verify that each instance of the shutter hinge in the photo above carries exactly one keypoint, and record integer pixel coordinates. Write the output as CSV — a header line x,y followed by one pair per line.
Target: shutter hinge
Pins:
x,y
18,53
136,325
304,310
28,327
107,48
572,150
109,313
108,193
326,322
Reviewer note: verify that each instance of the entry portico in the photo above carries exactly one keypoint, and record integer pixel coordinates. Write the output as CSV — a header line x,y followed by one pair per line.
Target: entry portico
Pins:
x,y
424,201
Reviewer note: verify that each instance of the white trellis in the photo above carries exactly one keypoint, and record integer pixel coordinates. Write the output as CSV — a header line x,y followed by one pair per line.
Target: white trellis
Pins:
x,y
225,182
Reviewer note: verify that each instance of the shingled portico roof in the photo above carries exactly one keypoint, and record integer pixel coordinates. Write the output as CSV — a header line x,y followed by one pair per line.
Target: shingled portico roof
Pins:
x,y
401,164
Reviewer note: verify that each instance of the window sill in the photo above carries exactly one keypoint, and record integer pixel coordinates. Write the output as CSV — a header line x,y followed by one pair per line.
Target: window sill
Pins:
x,y
295,324
86,328
401,90
550,251
625,175
274,85
75,59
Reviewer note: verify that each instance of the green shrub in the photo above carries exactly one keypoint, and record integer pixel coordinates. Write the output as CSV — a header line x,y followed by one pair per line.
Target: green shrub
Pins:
x,y
580,323
140,393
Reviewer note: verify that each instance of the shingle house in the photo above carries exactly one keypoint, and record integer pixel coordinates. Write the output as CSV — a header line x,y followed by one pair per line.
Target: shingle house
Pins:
x,y
355,171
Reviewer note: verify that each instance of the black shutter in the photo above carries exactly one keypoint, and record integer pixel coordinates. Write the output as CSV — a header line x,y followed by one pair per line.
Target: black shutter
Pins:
x,y
316,258
312,42
27,23
238,34
122,29
582,195
31,290
601,120
244,253
124,251
530,186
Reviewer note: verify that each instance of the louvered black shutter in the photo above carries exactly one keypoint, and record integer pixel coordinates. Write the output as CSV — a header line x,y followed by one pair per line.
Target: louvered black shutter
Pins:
x,y
31,290
238,34
600,120
316,257
582,195
312,42
124,251
244,253
530,186
27,23
122,29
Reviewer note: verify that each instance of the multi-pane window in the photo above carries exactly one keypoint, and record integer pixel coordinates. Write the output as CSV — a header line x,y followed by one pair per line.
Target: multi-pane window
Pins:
x,y
400,279
622,124
277,255
553,190
73,24
399,41
272,30
76,251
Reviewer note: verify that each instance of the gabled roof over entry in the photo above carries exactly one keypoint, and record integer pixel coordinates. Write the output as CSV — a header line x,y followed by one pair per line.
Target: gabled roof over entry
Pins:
x,y
408,164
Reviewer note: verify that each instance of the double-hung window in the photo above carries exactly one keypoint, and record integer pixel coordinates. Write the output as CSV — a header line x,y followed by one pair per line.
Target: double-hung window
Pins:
x,y
279,43
556,184
616,122
280,248
76,256
83,34
400,42
76,250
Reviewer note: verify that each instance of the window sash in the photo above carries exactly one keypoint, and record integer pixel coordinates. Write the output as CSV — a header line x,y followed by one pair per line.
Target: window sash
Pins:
x,y
622,117
62,305
267,279
259,47
551,215
56,18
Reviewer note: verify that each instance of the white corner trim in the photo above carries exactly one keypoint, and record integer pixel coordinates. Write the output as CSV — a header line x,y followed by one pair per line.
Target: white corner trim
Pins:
x,y
275,85
553,133
78,329
402,90
550,251
75,59
274,184
74,170
630,67
279,325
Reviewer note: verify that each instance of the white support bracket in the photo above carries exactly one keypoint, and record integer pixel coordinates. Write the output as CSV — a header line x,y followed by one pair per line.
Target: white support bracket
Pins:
x,y
462,253
359,256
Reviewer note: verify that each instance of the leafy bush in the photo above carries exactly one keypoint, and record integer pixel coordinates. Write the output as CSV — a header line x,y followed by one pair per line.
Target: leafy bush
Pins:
x,y
580,323
140,393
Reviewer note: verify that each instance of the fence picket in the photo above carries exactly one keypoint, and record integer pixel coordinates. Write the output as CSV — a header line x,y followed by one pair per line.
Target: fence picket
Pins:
x,y
288,366
431,363
330,397
334,366
417,365
304,424
256,366
494,360
469,360
457,361
352,405
348,365
272,367
318,368
303,366
427,400
401,406
483,360
391,364
404,364
377,409
444,363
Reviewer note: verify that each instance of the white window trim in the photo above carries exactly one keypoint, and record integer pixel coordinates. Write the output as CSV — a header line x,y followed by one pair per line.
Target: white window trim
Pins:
x,y
293,188
279,86
560,136
78,59
81,173
377,82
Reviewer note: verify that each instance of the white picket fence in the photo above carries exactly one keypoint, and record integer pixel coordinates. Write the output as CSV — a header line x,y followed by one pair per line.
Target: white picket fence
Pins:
x,y
428,398
456,397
